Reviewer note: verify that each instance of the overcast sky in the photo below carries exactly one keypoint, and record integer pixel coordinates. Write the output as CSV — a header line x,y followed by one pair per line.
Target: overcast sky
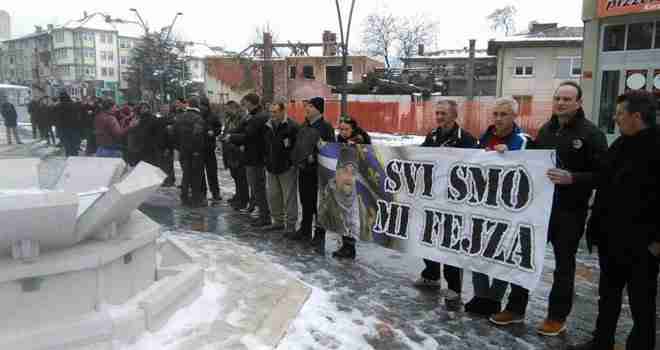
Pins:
x,y
232,24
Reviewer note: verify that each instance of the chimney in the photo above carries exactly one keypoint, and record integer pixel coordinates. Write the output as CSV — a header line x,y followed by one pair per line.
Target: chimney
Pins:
x,y
420,50
329,43
268,45
38,29
50,27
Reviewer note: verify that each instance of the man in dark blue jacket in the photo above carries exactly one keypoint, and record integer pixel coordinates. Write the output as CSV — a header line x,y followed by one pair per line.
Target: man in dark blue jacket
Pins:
x,y
447,134
503,135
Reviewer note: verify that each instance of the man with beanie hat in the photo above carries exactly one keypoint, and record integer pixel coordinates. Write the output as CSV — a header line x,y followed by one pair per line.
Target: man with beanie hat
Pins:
x,y
305,156
339,208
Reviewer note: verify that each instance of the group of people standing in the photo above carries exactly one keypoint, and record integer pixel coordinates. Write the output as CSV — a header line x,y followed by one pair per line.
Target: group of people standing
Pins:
x,y
274,162
622,222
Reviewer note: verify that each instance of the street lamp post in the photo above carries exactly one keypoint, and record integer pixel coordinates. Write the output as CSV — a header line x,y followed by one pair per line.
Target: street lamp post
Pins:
x,y
344,54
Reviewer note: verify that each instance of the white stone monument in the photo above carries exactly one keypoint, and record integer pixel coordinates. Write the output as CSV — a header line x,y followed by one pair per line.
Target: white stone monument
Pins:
x,y
80,266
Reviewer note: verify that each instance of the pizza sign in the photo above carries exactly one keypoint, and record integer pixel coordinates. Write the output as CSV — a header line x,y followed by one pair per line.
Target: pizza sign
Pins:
x,y
607,8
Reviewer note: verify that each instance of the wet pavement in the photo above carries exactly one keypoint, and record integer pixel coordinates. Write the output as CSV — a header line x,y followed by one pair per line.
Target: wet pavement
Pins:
x,y
378,287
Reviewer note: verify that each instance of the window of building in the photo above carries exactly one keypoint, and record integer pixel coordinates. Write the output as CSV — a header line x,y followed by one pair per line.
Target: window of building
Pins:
x,y
59,36
614,38
333,75
657,35
111,72
523,67
12,45
308,72
640,36
104,72
12,59
292,72
123,59
568,68
124,44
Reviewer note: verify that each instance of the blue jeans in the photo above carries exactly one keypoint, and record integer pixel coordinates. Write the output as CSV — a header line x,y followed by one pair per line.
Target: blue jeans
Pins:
x,y
108,152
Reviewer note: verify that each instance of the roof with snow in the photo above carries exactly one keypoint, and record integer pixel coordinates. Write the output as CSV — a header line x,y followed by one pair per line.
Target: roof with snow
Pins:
x,y
451,54
199,50
540,35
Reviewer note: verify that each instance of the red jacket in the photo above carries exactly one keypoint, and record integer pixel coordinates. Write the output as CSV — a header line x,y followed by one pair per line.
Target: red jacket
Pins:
x,y
108,130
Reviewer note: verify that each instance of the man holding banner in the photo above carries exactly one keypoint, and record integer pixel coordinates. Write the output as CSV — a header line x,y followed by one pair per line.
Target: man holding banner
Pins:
x,y
504,135
447,134
579,145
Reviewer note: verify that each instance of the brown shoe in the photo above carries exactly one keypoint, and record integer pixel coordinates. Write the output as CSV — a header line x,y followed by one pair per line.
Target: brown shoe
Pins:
x,y
506,318
551,328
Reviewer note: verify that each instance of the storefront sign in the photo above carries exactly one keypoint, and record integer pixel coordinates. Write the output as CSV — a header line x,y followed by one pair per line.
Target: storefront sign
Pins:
x,y
607,8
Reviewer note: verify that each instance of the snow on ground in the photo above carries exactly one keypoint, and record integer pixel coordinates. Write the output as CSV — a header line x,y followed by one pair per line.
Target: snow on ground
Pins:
x,y
186,323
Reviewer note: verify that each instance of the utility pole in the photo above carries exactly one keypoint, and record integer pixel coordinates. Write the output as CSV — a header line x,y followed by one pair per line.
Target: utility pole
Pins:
x,y
344,54
267,74
470,71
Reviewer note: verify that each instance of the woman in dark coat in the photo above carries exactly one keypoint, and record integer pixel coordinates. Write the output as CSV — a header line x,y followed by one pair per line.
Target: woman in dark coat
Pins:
x,y
11,120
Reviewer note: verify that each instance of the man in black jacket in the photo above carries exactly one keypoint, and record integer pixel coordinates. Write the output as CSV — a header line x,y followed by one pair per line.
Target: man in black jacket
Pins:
x,y
189,131
68,114
580,146
280,138
447,134
213,130
305,156
626,227
8,112
250,134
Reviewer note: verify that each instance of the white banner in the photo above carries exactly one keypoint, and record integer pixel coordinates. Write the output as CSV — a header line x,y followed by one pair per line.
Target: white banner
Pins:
x,y
478,210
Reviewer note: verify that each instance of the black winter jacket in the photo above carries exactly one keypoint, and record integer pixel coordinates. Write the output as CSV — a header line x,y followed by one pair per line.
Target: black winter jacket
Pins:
x,y
625,218
580,147
250,133
279,141
457,137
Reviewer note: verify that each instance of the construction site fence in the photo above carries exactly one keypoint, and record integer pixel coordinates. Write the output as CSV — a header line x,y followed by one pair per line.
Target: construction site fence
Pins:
x,y
418,118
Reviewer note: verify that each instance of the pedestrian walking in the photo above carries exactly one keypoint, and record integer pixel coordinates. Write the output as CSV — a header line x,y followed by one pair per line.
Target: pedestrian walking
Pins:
x,y
11,120
282,177
579,146
624,225
447,134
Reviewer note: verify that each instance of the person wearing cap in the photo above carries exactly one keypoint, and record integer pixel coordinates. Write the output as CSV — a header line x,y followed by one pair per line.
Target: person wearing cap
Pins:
x,y
447,134
339,207
305,155
10,116
625,225
282,177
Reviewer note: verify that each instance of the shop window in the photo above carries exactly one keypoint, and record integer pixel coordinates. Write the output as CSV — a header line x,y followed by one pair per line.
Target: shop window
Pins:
x,y
657,35
292,72
614,38
608,94
523,67
640,36
308,72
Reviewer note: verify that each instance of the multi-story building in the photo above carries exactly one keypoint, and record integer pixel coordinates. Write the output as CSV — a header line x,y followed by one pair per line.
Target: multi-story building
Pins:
x,y
621,52
530,66
85,58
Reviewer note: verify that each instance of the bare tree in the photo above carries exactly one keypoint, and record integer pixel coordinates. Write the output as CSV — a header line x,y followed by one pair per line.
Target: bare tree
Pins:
x,y
414,31
379,33
503,19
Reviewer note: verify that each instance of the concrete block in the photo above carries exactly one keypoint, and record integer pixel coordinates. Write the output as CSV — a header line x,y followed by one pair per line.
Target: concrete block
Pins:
x,y
83,174
93,329
173,253
167,296
19,173
128,275
49,218
118,202
128,323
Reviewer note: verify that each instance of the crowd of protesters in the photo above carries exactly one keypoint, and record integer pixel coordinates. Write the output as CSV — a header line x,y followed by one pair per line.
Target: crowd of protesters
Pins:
x,y
274,162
